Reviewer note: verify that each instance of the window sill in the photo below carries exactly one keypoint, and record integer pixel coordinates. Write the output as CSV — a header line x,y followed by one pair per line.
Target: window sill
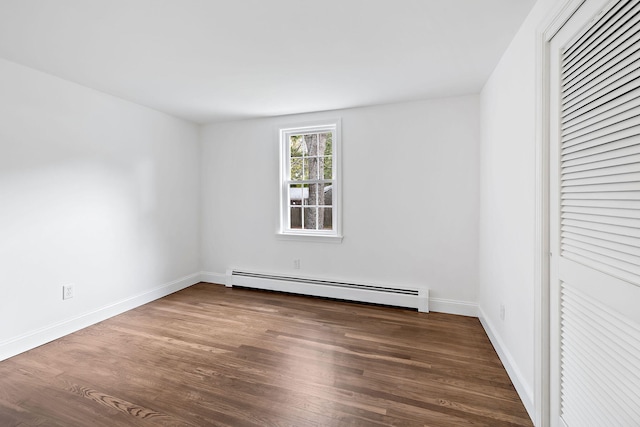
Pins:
x,y
317,238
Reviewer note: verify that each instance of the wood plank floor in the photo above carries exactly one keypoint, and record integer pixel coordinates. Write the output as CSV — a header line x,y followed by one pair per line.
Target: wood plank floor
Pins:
x,y
214,356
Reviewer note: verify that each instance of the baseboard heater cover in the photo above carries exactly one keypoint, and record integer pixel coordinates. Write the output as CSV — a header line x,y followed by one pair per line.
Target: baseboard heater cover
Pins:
x,y
400,296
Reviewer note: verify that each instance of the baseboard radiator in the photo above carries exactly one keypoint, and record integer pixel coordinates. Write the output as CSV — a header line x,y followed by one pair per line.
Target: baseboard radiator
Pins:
x,y
399,296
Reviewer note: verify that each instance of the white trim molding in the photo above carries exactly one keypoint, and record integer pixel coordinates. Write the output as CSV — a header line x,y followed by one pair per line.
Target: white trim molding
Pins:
x,y
450,306
33,339
541,415
519,381
213,278
309,238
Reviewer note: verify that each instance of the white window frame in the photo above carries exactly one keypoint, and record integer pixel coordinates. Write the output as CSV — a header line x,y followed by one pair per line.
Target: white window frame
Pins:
x,y
284,132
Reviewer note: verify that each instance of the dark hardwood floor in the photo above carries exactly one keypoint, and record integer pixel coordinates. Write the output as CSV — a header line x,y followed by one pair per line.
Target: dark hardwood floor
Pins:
x,y
211,355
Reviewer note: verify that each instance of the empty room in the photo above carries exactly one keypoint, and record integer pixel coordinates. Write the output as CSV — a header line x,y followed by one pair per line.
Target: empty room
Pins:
x,y
329,213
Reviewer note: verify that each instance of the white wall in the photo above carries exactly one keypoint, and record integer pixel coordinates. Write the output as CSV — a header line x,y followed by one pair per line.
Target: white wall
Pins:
x,y
410,189
507,207
94,191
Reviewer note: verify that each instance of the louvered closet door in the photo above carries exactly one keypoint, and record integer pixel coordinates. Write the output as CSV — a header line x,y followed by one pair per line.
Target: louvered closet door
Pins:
x,y
595,217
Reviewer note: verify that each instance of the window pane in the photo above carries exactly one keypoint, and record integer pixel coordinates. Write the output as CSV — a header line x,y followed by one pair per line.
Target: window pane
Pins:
x,y
310,218
311,142
314,195
327,167
296,169
326,220
296,218
326,140
298,193
296,145
328,194
308,165
316,167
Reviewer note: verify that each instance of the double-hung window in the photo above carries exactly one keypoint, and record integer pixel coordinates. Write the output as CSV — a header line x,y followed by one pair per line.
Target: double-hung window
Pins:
x,y
310,182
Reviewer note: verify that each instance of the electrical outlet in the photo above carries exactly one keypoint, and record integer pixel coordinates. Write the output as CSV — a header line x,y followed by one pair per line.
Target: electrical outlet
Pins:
x,y
67,291
502,310
296,264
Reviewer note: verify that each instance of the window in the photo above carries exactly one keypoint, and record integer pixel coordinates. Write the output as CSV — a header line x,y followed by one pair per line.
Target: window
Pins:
x,y
310,185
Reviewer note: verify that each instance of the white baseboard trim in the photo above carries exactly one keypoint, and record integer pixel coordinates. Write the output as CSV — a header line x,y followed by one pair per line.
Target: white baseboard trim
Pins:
x,y
449,306
522,387
33,339
215,278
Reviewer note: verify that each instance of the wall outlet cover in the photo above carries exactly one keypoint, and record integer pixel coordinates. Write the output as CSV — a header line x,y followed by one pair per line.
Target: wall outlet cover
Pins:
x,y
67,292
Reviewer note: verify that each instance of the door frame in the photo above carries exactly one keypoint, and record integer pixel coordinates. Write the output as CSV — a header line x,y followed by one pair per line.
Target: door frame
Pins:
x,y
542,335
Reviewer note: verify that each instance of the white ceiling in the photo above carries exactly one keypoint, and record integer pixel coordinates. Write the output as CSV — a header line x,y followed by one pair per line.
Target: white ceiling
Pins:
x,y
215,60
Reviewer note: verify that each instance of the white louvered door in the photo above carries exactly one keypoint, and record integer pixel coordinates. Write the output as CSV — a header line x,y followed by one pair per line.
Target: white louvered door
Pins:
x,y
595,216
